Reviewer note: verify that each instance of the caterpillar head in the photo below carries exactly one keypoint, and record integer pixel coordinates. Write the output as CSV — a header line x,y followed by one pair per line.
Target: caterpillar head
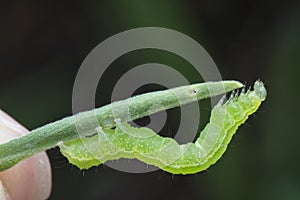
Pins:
x,y
260,90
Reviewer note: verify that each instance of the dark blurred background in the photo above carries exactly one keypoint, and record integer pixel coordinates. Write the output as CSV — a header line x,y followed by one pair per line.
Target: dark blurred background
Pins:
x,y
44,42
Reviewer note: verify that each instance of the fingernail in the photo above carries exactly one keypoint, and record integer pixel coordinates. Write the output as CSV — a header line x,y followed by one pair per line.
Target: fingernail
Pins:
x,y
43,176
3,193
9,128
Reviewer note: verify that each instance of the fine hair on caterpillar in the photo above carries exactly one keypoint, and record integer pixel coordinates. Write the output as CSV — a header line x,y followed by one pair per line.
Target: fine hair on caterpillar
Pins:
x,y
144,144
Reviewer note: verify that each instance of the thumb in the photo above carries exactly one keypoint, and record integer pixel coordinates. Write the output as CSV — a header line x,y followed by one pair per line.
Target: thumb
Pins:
x,y
30,178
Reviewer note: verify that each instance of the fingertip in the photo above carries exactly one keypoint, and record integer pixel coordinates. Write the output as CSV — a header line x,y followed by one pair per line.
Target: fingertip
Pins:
x,y
30,178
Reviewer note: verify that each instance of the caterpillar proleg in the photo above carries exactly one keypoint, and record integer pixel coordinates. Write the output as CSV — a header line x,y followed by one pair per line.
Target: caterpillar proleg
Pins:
x,y
126,141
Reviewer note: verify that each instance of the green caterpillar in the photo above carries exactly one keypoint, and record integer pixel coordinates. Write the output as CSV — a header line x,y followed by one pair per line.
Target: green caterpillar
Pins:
x,y
142,143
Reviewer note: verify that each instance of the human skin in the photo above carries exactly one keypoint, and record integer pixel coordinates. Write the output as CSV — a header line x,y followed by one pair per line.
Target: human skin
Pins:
x,y
30,179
